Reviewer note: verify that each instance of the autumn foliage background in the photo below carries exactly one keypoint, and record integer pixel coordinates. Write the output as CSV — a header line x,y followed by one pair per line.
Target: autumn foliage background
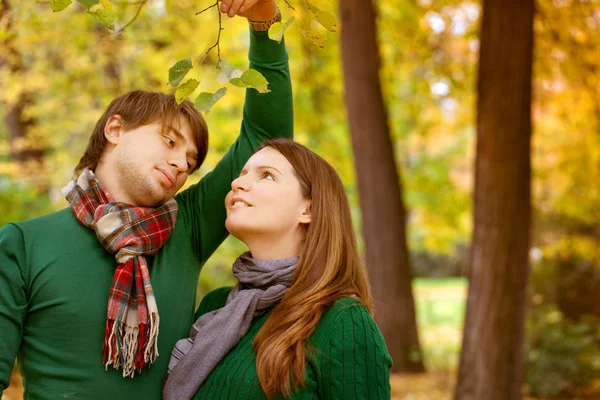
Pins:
x,y
58,71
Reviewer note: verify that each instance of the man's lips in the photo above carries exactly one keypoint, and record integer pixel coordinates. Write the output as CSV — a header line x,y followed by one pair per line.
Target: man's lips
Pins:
x,y
167,178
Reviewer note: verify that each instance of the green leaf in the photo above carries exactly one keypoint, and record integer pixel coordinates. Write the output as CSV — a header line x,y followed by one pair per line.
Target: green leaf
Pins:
x,y
237,82
104,13
278,28
185,89
178,71
328,20
252,79
206,100
88,3
59,5
313,37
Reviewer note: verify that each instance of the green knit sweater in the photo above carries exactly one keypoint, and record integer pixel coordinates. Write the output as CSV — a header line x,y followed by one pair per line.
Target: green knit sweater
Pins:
x,y
350,358
55,276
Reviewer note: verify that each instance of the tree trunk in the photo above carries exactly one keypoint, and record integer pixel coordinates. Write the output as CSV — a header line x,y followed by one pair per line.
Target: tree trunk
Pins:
x,y
22,147
491,364
379,186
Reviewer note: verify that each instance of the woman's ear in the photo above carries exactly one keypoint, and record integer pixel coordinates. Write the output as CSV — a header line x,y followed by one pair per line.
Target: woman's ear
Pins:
x,y
113,129
306,214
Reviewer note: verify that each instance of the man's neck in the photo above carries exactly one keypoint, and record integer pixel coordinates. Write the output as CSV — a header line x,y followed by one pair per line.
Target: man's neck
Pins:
x,y
109,181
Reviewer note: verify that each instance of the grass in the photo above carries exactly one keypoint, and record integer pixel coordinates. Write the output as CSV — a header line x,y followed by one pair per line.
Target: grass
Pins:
x,y
440,306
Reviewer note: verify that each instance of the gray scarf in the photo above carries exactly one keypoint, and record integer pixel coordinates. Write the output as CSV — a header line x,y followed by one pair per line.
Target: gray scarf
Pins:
x,y
262,284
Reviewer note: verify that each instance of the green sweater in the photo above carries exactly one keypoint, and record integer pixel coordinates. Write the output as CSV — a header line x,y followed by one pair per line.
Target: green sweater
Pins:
x,y
55,276
350,360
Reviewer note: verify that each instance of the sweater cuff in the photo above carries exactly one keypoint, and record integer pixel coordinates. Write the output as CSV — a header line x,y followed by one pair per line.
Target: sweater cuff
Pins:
x,y
264,50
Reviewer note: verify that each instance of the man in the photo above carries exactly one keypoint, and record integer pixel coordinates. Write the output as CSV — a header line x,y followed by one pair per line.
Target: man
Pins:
x,y
58,272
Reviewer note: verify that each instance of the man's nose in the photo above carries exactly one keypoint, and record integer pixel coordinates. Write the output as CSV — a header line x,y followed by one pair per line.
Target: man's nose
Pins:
x,y
179,162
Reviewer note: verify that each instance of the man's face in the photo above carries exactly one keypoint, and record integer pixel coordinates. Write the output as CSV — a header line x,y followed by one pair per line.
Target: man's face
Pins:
x,y
152,162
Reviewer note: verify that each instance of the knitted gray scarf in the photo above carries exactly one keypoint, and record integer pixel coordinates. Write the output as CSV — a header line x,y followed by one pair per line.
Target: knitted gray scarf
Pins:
x,y
262,284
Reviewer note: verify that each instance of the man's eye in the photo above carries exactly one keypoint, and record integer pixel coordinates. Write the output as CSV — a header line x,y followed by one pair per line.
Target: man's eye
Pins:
x,y
169,141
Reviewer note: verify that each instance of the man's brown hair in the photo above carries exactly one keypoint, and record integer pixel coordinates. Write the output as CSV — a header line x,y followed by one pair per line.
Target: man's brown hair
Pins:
x,y
139,108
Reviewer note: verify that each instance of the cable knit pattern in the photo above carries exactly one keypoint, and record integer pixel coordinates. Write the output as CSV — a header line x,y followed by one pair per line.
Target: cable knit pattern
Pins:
x,y
347,358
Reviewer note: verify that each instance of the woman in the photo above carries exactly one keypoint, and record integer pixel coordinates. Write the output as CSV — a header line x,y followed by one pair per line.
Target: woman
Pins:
x,y
298,324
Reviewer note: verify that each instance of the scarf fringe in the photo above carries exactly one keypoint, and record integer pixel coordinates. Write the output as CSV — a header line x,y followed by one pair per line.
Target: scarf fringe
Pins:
x,y
129,233
130,347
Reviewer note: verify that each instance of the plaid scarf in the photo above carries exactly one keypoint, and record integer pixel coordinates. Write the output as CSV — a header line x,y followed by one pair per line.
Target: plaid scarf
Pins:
x,y
130,233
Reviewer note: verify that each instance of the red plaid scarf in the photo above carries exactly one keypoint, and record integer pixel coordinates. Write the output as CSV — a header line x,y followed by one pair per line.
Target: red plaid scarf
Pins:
x,y
130,233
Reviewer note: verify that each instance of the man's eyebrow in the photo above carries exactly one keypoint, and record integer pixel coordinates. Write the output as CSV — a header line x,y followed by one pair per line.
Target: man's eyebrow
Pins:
x,y
176,132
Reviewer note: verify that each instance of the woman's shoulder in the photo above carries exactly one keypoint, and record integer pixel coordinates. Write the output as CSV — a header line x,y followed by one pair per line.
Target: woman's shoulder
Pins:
x,y
347,329
347,312
213,300
345,307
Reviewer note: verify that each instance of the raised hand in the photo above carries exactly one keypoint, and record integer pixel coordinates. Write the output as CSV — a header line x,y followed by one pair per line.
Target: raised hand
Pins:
x,y
255,10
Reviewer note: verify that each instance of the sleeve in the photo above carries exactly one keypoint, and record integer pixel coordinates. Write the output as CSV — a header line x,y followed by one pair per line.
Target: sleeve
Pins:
x,y
354,361
265,116
13,299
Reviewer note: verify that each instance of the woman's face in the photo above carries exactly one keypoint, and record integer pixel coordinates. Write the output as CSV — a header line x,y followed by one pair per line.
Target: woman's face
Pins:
x,y
266,199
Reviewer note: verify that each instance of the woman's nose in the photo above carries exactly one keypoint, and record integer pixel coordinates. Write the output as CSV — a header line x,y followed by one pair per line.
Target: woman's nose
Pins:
x,y
240,183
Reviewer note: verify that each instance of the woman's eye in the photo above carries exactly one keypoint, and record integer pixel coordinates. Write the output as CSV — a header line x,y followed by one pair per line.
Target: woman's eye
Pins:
x,y
268,176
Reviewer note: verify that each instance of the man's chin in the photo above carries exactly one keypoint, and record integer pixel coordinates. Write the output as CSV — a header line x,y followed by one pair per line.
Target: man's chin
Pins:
x,y
161,202
153,202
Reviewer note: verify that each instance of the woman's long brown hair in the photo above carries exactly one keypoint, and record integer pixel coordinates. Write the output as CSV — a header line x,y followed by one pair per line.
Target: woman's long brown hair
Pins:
x,y
328,269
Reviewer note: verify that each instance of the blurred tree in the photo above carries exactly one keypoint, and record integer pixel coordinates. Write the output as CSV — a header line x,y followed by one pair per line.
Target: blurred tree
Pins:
x,y
429,52
491,365
379,187
25,149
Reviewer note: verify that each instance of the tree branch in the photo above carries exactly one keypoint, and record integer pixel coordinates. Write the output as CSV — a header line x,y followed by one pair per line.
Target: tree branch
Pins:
x,y
289,5
137,14
208,8
129,3
218,42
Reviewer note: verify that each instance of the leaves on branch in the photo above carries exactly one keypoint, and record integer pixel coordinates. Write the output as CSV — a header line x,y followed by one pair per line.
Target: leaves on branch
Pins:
x,y
106,17
88,3
252,79
277,30
313,37
178,71
328,20
206,100
59,5
104,13
185,89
